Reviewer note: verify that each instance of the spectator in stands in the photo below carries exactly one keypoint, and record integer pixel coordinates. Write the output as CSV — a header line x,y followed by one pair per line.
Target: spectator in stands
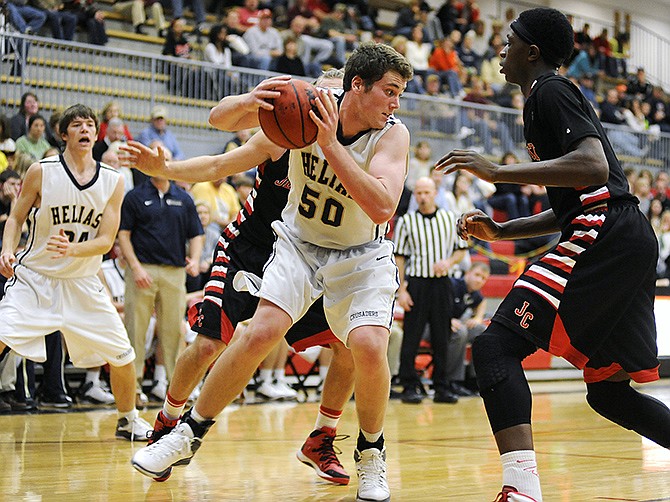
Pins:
x,y
10,184
249,14
467,323
611,112
111,158
417,52
416,85
18,124
490,67
264,41
334,28
289,63
115,132
34,142
62,22
301,8
661,188
135,11
604,48
447,15
426,248
470,60
587,85
313,51
176,43
658,109
654,215
445,61
485,123
158,220
585,63
158,130
468,14
438,116
54,138
211,237
620,52
583,38
510,198
408,17
642,191
238,46
480,40
109,111
638,85
198,7
217,51
24,18
222,200
419,164
7,144
663,266
90,18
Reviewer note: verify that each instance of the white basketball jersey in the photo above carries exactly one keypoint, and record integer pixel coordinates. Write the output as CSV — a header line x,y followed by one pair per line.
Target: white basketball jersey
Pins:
x,y
67,205
319,210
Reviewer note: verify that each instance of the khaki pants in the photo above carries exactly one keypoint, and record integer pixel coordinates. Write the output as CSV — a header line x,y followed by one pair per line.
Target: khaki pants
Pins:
x,y
134,10
167,294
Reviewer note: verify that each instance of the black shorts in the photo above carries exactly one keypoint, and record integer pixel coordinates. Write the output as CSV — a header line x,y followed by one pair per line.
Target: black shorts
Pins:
x,y
223,307
590,299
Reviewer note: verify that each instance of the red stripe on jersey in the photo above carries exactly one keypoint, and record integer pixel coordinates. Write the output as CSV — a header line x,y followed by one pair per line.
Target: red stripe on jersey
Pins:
x,y
565,251
556,263
582,238
545,280
216,273
595,198
559,345
593,375
213,289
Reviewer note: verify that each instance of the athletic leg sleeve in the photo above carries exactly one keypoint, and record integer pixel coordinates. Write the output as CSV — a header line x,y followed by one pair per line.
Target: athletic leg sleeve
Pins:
x,y
497,356
623,405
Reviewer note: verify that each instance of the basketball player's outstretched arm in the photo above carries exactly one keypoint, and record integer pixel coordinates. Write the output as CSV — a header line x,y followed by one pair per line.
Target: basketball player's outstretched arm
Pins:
x,y
203,168
234,113
60,245
28,198
584,165
478,224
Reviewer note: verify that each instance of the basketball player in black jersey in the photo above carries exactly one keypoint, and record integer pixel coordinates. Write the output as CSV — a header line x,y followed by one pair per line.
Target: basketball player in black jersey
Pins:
x,y
590,299
245,245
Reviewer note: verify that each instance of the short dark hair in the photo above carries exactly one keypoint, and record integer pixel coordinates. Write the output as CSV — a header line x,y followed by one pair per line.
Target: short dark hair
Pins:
x,y
8,174
550,30
371,61
32,120
77,111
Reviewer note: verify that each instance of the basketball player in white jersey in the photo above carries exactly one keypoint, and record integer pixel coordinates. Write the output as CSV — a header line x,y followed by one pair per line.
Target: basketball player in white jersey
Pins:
x,y
73,206
344,190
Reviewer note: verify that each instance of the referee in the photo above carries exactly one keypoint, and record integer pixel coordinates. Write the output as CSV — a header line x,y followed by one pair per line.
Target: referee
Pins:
x,y
427,246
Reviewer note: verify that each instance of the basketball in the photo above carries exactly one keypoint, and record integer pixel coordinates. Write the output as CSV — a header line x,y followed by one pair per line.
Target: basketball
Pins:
x,y
289,124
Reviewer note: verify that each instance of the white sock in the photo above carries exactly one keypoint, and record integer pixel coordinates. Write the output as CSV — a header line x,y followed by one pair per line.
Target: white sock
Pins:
x,y
160,375
93,376
266,376
280,375
372,437
130,415
520,472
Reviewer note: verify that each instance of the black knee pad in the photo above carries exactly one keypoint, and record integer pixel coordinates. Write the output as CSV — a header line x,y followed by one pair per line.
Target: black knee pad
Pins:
x,y
488,359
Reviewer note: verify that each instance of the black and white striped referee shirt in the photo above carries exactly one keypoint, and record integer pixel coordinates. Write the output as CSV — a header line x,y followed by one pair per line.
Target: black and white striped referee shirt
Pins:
x,y
426,239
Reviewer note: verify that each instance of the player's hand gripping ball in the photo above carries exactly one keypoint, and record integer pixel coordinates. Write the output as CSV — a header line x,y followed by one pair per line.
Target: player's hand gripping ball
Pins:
x,y
289,125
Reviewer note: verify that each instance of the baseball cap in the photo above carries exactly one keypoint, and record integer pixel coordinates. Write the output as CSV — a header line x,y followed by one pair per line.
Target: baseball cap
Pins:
x,y
159,112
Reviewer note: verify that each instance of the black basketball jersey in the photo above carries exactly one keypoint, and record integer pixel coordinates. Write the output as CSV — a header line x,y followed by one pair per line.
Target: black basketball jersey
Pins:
x,y
556,116
264,204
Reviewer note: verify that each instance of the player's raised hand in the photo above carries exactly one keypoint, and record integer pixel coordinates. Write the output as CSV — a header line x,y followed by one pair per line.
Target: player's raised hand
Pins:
x,y
267,89
7,261
478,224
327,118
468,160
150,161
59,245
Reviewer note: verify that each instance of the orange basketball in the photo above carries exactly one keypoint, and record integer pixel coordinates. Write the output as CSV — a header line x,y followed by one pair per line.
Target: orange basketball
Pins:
x,y
289,124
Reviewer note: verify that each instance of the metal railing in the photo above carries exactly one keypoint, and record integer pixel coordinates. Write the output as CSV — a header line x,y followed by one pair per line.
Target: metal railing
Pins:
x,y
62,73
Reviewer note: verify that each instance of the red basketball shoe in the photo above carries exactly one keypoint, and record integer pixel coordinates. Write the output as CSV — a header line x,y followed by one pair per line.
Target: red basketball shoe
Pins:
x,y
509,494
318,452
162,426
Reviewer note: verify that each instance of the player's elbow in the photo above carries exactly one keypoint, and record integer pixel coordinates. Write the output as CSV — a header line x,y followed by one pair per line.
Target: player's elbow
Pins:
x,y
382,215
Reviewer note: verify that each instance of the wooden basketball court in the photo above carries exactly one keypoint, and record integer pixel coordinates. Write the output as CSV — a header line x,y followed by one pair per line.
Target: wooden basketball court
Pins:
x,y
435,452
